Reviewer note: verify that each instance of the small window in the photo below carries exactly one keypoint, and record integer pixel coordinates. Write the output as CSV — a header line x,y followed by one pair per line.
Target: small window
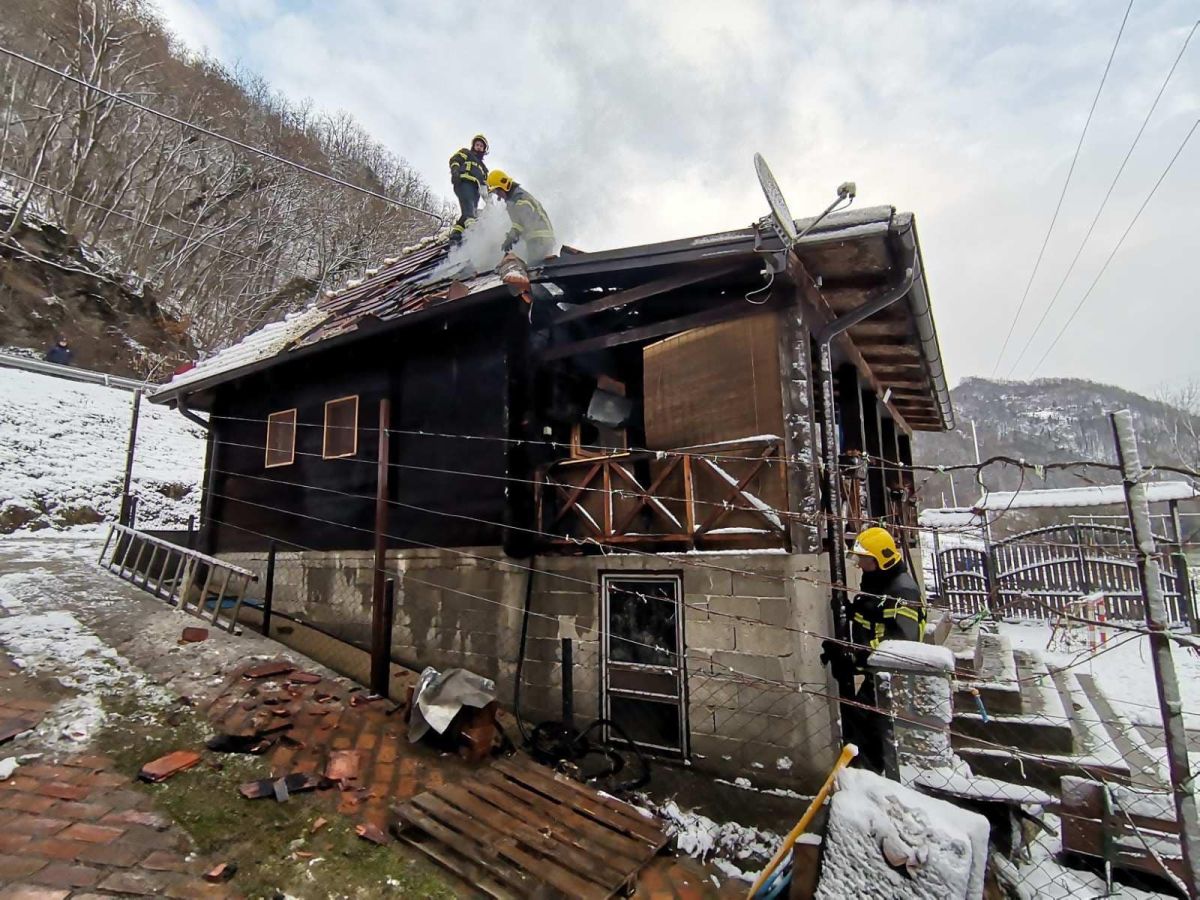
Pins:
x,y
281,438
341,428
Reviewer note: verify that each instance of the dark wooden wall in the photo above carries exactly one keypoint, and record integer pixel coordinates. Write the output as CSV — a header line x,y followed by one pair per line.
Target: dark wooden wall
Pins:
x,y
450,377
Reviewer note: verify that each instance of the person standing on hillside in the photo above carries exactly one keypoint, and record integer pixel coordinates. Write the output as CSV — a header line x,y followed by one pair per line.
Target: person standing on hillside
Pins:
x,y
60,352
468,175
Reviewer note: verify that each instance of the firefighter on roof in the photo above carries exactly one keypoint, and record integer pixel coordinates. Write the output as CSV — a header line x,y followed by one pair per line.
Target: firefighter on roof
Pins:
x,y
468,175
530,224
889,607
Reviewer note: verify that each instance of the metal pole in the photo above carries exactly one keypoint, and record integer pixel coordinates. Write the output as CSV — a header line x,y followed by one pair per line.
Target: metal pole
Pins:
x,y
380,636
269,591
568,683
133,426
1186,809
1187,599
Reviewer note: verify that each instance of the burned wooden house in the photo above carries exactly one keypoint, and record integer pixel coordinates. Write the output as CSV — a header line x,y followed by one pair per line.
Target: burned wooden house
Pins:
x,y
624,458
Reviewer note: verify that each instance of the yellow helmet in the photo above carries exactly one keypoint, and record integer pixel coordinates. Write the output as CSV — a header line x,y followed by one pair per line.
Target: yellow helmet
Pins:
x,y
499,179
878,544
480,137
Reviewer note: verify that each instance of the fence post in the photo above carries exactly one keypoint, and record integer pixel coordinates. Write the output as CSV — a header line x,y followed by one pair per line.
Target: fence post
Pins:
x,y
568,683
1186,809
269,591
381,636
132,515
1187,598
126,515
1085,586
991,578
191,538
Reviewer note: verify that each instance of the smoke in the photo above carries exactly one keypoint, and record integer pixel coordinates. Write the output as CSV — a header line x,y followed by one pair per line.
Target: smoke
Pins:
x,y
480,250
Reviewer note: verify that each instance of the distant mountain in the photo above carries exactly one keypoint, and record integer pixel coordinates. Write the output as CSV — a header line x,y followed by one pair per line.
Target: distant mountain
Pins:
x,y
1050,420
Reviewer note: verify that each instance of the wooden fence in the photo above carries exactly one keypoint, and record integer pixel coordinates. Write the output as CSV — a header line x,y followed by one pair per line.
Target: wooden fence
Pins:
x,y
1035,574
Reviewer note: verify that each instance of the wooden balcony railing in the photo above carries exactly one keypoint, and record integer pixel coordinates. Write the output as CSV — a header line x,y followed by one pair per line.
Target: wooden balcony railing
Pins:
x,y
719,496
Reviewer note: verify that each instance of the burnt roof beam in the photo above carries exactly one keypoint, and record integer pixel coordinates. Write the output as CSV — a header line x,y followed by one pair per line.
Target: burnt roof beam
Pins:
x,y
645,291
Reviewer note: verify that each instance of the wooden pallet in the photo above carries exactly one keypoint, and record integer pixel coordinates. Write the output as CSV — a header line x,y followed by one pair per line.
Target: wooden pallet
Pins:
x,y
517,829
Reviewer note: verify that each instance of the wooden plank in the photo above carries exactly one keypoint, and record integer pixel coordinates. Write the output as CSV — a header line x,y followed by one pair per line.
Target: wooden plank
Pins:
x,y
631,852
547,868
474,878
455,828
476,871
612,813
556,842
645,291
722,313
645,494
573,497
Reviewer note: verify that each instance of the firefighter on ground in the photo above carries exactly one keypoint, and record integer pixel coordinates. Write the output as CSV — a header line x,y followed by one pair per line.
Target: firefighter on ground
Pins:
x,y
889,607
530,223
468,175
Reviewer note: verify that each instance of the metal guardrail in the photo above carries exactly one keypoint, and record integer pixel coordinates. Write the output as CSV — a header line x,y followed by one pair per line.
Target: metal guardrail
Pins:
x,y
42,367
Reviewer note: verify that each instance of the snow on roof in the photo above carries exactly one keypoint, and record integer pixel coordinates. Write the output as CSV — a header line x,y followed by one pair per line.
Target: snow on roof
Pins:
x,y
1098,495
262,344
950,517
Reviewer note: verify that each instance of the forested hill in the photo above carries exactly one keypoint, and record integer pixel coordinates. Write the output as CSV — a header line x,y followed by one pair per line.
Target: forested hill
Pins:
x,y
224,239
1056,420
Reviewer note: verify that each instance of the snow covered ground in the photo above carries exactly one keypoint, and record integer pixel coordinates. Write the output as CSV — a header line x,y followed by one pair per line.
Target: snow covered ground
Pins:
x,y
1122,669
62,455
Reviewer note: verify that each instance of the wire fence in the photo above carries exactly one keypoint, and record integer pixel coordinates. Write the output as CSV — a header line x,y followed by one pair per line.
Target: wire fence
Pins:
x,y
710,673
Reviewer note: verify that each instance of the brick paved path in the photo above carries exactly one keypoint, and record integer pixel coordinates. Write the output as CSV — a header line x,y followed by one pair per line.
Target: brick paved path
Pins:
x,y
72,829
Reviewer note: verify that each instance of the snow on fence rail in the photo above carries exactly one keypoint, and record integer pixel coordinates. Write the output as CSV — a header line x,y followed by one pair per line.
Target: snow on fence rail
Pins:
x,y
74,374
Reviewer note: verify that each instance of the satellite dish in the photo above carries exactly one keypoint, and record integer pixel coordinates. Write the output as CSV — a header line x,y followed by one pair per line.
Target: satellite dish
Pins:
x,y
779,208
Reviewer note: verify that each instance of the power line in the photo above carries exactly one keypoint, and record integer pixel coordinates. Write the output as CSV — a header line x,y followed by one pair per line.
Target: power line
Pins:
x,y
1054,219
215,134
1104,202
1125,234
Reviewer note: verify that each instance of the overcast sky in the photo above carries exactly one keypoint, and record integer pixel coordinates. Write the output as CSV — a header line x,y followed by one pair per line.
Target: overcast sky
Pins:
x,y
638,121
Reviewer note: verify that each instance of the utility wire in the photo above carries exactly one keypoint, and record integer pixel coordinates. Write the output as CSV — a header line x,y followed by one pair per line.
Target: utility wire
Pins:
x,y
1104,202
214,134
1071,171
1125,234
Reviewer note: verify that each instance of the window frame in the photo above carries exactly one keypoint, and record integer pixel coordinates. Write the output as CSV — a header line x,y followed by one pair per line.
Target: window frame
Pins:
x,y
271,420
325,454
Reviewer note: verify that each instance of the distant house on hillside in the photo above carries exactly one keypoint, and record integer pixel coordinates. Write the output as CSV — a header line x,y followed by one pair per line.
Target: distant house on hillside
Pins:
x,y
627,450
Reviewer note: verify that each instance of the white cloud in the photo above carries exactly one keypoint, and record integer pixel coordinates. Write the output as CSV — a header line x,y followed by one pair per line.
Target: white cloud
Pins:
x,y
637,121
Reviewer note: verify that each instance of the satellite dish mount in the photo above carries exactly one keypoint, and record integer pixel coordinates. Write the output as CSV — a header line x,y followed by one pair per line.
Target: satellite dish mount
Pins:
x,y
780,220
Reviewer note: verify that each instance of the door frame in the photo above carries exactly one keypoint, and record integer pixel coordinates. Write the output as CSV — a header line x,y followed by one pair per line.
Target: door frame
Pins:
x,y
673,576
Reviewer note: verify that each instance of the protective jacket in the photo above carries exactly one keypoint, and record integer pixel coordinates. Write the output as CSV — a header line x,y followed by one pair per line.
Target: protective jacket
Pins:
x,y
529,220
890,607
467,166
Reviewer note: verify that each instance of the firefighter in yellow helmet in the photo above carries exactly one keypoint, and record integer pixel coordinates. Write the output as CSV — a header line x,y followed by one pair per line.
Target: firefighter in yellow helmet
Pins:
x,y
889,607
531,226
468,175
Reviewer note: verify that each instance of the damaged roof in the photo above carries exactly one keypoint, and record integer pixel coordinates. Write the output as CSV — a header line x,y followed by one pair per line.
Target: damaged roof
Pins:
x,y
848,258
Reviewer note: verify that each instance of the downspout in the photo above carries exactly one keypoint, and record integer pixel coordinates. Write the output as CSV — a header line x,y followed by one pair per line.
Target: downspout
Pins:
x,y
210,471
837,549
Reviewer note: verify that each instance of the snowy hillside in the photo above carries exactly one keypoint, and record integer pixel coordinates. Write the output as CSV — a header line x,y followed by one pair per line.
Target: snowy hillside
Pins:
x,y
62,456
1049,420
